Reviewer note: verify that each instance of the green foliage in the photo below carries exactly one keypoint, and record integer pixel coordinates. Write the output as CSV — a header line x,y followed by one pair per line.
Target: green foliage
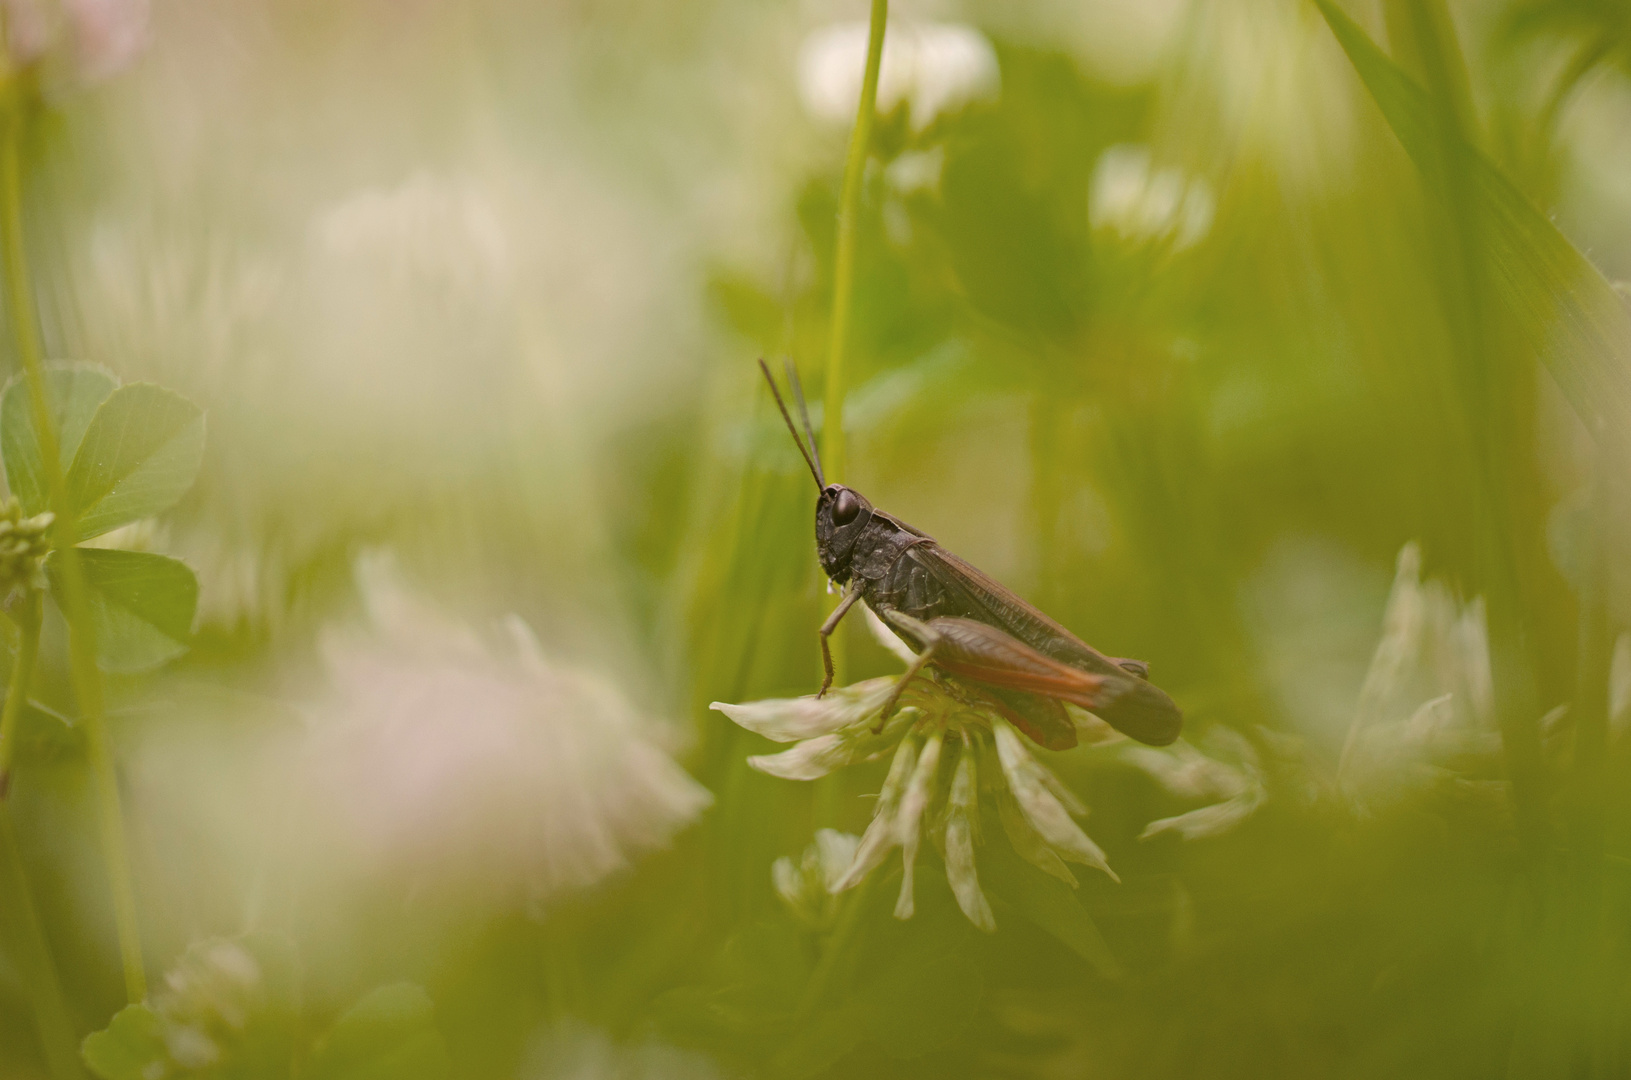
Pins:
x,y
74,393
45,735
140,605
391,1033
1049,903
134,451
140,454
229,1011
131,1047
1571,317
129,451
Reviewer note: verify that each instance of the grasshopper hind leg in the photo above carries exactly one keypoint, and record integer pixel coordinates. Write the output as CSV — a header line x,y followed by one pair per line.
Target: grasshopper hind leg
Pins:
x,y
930,639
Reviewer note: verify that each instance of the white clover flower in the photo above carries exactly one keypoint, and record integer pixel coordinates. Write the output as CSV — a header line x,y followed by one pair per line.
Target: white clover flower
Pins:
x,y
205,1005
1143,205
807,886
933,67
437,754
96,38
1425,714
920,798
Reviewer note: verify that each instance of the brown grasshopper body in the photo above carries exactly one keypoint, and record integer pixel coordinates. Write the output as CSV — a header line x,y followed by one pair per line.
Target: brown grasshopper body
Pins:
x,y
970,627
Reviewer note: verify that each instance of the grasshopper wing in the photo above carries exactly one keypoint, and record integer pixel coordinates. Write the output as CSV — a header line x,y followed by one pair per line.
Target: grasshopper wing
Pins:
x,y
1026,685
1138,708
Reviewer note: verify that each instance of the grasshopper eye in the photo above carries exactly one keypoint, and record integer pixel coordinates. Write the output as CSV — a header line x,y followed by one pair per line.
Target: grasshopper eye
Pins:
x,y
845,507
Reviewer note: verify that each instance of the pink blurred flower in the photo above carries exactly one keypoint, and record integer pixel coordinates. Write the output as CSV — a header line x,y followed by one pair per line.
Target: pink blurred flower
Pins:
x,y
437,756
96,38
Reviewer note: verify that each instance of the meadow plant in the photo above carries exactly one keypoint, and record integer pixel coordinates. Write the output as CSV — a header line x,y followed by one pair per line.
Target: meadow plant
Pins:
x,y
1275,342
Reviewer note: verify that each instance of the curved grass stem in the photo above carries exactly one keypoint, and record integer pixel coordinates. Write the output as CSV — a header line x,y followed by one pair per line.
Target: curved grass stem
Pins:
x,y
87,679
843,293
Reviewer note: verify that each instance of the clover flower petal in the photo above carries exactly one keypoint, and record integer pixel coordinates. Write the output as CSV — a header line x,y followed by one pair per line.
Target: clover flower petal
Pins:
x,y
1028,842
879,838
1208,821
814,758
962,827
792,719
909,819
1040,806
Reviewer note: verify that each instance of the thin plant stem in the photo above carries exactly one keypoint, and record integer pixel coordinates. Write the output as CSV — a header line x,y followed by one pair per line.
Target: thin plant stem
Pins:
x,y
843,292
87,679
28,650
51,1018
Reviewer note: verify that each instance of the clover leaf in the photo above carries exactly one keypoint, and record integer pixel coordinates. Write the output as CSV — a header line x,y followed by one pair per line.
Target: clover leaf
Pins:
x,y
129,452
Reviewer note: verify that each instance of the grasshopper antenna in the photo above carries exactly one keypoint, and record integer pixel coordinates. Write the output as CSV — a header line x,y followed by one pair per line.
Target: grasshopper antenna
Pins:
x,y
809,453
804,414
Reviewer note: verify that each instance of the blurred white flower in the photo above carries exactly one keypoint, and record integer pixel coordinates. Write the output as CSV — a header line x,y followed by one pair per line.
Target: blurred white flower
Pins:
x,y
1619,687
98,38
933,67
107,35
1235,785
435,754
422,228
1425,714
408,316
919,798
30,27
807,886
204,1007
1141,204
916,170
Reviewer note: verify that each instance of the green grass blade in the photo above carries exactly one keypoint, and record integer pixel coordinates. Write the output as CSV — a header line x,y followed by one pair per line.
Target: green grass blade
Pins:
x,y
1568,313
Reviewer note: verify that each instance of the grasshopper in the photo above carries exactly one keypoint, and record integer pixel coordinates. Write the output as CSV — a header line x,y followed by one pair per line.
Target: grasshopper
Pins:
x,y
966,625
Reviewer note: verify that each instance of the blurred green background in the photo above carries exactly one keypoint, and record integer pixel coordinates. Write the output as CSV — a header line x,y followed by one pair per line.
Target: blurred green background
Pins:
x,y
1176,316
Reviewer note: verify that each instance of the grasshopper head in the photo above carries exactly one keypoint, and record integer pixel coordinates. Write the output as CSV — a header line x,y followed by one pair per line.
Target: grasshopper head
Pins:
x,y
842,515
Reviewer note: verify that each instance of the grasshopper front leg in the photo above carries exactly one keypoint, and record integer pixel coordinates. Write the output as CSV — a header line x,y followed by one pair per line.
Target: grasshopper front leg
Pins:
x,y
851,594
